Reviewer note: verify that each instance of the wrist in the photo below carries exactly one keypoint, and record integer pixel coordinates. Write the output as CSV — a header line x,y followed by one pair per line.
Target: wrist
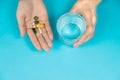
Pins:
x,y
31,0
96,2
36,2
93,3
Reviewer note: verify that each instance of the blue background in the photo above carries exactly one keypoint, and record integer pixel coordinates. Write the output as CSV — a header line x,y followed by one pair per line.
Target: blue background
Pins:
x,y
98,59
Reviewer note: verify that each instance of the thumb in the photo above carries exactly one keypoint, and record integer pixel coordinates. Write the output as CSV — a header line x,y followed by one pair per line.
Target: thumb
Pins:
x,y
73,10
22,26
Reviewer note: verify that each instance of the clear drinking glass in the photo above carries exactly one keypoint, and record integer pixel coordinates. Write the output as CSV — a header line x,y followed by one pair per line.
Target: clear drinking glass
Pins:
x,y
70,27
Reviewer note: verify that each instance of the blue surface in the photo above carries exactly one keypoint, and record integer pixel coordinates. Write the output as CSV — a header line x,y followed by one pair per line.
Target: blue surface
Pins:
x,y
99,59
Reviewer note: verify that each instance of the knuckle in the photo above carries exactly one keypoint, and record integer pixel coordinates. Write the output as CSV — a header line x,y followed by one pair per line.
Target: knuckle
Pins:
x,y
91,30
20,17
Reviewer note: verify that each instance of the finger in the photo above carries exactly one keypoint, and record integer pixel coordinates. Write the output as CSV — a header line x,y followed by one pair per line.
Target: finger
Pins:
x,y
87,35
48,40
76,8
94,18
86,39
22,26
49,31
89,30
33,39
42,41
88,18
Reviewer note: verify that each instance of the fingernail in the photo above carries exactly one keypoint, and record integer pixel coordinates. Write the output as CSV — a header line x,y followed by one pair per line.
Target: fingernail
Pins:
x,y
51,38
38,48
48,50
50,45
22,35
75,46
